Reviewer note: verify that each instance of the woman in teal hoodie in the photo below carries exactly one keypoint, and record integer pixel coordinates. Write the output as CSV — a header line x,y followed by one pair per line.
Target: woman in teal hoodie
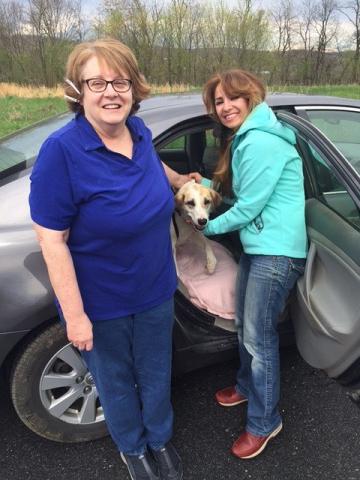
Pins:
x,y
261,170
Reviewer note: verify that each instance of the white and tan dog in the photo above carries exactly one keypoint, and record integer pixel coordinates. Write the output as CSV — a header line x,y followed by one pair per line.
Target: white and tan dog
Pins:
x,y
194,202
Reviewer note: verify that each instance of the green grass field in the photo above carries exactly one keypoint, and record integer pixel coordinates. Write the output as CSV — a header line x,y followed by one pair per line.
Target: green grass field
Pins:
x,y
345,91
18,112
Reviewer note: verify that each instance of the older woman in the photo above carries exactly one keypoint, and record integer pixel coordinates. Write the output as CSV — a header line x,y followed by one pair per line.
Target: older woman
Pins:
x,y
102,205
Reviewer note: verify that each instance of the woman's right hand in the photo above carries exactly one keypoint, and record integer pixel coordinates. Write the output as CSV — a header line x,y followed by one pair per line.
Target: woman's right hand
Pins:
x,y
79,332
196,176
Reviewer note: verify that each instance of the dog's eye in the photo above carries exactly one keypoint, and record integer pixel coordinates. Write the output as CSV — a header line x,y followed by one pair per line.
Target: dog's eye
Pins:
x,y
190,203
206,201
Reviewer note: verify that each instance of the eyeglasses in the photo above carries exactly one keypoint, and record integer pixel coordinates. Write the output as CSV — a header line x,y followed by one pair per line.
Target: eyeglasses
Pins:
x,y
98,85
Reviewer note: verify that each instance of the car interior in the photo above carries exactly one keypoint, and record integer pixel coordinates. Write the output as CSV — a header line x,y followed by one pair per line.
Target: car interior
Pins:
x,y
196,150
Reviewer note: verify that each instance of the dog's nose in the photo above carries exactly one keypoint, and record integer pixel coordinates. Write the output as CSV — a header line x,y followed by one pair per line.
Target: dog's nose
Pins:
x,y
202,221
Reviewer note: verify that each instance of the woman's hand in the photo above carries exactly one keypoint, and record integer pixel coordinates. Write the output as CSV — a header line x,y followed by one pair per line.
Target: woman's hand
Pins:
x,y
79,332
196,176
176,179
180,180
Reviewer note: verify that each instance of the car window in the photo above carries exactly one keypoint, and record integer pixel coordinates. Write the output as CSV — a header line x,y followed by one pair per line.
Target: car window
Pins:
x,y
342,127
210,155
173,152
196,150
332,190
18,151
177,144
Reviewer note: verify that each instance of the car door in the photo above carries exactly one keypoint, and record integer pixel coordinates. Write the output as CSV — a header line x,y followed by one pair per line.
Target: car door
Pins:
x,y
326,313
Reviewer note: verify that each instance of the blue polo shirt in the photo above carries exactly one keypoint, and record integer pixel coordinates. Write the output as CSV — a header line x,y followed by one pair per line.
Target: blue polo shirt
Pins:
x,y
118,211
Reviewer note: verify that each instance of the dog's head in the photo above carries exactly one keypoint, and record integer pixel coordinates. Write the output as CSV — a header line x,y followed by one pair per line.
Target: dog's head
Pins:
x,y
195,202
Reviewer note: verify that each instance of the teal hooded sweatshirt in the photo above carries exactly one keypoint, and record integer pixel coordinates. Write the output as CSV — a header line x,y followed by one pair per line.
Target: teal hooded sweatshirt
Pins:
x,y
268,185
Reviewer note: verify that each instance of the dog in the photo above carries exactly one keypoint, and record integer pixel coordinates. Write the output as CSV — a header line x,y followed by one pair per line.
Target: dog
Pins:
x,y
194,202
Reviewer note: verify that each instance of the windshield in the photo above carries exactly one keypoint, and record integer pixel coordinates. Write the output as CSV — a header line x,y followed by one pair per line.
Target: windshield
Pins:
x,y
18,151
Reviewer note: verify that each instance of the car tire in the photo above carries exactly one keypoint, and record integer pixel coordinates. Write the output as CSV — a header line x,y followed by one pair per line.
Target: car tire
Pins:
x,y
53,392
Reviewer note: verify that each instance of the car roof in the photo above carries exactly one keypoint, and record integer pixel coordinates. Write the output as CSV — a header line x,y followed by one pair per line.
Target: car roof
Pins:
x,y
273,99
162,112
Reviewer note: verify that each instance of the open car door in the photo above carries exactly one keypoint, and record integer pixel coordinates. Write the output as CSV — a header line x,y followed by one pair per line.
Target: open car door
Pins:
x,y
326,312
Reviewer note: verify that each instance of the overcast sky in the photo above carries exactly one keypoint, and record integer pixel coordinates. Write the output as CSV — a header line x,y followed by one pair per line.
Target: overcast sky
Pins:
x,y
91,6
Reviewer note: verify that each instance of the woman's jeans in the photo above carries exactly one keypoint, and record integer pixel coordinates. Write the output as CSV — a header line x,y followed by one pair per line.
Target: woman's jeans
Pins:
x,y
263,286
131,366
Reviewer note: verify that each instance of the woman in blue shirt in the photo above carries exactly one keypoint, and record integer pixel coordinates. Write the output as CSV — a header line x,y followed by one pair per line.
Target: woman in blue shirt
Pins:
x,y
102,207
261,170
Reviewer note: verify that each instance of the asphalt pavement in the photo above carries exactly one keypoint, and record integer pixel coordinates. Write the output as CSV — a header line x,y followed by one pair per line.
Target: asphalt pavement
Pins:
x,y
320,439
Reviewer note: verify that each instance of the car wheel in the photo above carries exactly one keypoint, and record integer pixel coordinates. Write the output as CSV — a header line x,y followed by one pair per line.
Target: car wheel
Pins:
x,y
53,392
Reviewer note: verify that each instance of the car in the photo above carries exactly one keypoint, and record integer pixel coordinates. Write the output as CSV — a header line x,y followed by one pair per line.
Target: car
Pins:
x,y
51,389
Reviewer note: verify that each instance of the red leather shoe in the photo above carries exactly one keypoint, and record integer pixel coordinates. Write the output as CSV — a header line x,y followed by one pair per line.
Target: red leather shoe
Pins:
x,y
249,445
229,397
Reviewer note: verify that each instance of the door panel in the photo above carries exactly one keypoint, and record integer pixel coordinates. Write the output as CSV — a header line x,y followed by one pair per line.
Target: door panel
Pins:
x,y
326,315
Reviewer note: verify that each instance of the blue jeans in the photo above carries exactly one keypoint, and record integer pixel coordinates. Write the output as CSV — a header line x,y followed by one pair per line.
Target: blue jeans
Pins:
x,y
131,366
263,285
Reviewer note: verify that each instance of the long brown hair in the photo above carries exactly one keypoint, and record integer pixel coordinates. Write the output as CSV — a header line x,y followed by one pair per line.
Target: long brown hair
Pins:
x,y
115,55
235,83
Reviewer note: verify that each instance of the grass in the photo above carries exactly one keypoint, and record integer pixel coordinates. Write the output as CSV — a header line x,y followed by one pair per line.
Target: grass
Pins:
x,y
23,106
21,112
345,91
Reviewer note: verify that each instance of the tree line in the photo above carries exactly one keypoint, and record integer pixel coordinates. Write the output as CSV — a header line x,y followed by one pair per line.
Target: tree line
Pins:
x,y
185,41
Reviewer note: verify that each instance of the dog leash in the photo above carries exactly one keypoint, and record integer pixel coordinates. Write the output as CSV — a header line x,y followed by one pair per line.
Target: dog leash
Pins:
x,y
175,226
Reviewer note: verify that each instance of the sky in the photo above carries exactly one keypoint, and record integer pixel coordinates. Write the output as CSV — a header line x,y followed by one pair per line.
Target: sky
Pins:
x,y
90,7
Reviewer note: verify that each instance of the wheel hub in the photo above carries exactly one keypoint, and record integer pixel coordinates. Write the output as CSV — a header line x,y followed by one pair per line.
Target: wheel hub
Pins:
x,y
89,380
67,389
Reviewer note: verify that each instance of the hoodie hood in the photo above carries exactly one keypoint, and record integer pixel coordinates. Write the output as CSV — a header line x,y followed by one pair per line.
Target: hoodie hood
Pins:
x,y
263,118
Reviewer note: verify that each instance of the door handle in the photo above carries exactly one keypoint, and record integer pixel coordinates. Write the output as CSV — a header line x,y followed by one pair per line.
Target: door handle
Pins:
x,y
308,274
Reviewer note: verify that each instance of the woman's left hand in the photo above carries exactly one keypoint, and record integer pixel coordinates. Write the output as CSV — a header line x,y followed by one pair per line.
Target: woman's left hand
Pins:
x,y
196,176
180,180
176,179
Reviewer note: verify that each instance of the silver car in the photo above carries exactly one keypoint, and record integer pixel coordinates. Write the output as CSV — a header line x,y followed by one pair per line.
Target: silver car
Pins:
x,y
51,389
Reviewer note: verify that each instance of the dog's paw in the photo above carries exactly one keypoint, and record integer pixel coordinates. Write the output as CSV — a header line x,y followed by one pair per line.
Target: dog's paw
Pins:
x,y
210,266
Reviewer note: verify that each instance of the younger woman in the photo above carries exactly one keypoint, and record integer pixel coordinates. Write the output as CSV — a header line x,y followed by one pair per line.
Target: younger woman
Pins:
x,y
260,168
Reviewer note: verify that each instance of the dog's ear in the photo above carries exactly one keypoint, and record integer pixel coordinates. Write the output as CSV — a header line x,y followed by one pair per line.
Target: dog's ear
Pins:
x,y
179,199
215,198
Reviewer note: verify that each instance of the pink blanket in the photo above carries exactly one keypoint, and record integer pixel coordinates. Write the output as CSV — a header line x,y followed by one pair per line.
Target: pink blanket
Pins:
x,y
214,293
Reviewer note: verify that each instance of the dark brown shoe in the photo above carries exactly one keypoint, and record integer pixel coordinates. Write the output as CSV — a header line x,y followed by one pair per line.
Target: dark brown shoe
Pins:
x,y
249,445
229,397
